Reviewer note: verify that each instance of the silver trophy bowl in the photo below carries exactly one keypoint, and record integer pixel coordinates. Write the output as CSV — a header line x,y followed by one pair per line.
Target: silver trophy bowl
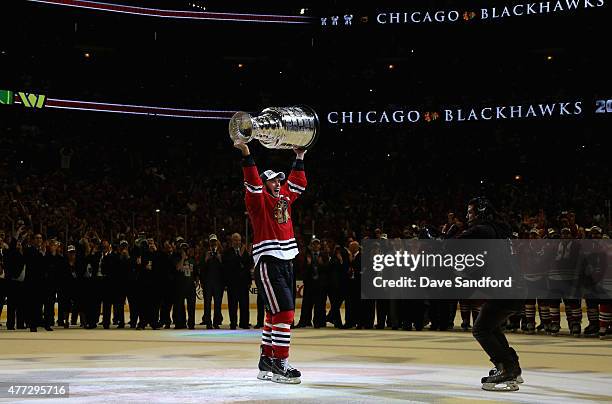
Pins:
x,y
277,127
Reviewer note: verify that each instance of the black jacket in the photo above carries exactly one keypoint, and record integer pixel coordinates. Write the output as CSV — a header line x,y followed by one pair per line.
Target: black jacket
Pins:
x,y
318,270
237,267
35,265
212,269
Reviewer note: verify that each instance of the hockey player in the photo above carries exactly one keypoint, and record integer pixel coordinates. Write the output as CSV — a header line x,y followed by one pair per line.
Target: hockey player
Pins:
x,y
596,260
562,278
484,223
274,246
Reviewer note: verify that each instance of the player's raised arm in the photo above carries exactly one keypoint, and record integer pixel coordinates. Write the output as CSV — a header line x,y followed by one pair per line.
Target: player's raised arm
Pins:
x,y
252,183
296,183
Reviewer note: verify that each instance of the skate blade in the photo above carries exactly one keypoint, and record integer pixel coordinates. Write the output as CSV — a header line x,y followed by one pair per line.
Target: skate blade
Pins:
x,y
285,380
264,375
503,386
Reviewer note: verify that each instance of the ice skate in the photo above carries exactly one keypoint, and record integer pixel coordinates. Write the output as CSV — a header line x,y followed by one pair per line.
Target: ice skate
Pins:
x,y
504,378
519,378
603,334
575,330
283,372
516,366
592,330
265,368
512,326
554,329
530,329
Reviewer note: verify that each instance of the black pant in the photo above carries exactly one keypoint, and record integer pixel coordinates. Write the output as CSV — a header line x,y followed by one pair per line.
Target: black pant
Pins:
x,y
89,301
407,313
440,313
337,296
166,290
313,298
354,304
120,303
382,312
16,310
213,290
109,298
49,299
118,300
151,303
35,297
488,328
133,299
67,302
64,303
185,292
276,284
238,297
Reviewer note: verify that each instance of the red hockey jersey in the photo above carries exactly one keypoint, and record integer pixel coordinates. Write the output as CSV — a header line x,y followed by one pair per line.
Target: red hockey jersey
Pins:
x,y
271,216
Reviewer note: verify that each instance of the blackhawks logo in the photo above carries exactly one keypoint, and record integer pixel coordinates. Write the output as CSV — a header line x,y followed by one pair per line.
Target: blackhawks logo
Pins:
x,y
281,213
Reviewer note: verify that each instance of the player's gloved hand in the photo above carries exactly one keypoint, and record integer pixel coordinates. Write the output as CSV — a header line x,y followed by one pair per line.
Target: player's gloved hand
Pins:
x,y
242,147
299,153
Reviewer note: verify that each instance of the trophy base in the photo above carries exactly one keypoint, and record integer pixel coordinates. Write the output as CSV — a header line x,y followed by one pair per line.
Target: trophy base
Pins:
x,y
240,127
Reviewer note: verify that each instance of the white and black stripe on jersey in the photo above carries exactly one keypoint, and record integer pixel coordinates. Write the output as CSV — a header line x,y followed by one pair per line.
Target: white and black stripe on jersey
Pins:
x,y
282,249
253,188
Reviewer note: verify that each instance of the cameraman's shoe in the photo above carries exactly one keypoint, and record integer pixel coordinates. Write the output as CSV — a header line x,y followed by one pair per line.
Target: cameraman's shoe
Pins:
x,y
283,372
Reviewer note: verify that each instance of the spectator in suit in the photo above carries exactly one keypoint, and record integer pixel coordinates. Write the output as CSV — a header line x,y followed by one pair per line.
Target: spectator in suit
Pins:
x,y
237,264
354,310
34,283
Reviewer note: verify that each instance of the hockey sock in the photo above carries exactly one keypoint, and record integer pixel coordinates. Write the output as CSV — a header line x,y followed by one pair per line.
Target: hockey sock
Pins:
x,y
281,333
605,316
573,312
530,311
592,311
544,310
266,336
555,316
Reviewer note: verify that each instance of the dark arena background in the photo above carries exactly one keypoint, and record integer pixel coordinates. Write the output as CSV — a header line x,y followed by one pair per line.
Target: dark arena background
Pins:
x,y
114,141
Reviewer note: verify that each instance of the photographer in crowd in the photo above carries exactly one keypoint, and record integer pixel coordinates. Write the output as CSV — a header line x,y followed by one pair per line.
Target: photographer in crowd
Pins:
x,y
185,286
212,282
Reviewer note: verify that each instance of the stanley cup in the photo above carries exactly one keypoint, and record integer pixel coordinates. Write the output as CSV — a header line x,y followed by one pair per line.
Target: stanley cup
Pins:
x,y
277,127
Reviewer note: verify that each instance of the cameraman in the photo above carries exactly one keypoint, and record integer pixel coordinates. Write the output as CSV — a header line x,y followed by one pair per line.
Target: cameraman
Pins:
x,y
211,279
186,279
